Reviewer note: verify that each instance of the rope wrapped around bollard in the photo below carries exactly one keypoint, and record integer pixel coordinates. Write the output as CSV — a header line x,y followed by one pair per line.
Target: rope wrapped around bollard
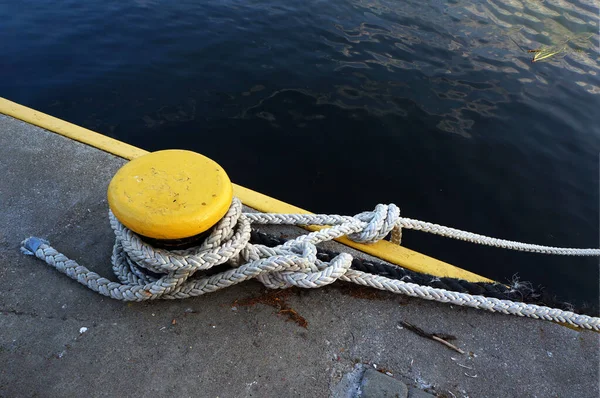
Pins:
x,y
149,273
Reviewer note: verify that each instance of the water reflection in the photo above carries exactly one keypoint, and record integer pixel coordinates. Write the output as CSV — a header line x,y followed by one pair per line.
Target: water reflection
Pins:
x,y
462,38
375,54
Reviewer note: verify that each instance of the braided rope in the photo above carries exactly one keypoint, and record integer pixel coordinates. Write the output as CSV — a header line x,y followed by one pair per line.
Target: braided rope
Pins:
x,y
386,219
518,291
148,273
485,240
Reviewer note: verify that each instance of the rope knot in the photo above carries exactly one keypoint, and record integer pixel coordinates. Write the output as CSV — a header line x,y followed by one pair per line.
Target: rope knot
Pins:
x,y
306,271
380,222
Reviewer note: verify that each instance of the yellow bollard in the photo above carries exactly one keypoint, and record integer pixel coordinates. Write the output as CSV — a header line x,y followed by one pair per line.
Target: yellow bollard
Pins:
x,y
170,196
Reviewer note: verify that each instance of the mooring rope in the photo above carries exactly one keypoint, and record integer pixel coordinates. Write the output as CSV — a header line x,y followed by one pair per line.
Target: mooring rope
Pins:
x,y
515,290
148,273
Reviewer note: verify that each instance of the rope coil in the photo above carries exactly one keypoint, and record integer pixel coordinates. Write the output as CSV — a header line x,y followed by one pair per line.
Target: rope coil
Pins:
x,y
148,273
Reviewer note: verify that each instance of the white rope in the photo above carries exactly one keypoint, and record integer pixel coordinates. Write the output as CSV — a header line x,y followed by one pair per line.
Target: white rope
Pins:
x,y
386,218
484,240
294,263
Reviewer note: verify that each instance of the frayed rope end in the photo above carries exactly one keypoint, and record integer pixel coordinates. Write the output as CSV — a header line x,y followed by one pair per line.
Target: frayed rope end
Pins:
x,y
31,244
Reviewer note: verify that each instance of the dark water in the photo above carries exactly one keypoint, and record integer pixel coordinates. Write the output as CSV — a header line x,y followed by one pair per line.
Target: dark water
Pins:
x,y
338,105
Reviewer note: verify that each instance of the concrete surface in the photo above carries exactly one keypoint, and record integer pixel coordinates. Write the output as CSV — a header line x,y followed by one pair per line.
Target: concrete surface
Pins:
x,y
211,347
375,384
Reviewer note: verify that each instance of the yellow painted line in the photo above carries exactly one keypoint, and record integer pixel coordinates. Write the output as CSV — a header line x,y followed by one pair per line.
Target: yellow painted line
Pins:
x,y
70,130
385,250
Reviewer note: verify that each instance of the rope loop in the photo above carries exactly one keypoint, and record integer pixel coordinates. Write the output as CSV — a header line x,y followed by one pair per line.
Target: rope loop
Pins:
x,y
380,222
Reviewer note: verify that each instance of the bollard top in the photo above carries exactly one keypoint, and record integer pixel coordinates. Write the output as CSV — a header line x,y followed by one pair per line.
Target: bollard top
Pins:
x,y
171,194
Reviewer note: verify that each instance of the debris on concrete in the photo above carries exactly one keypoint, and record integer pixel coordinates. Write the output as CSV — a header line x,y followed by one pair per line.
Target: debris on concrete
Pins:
x,y
276,299
439,337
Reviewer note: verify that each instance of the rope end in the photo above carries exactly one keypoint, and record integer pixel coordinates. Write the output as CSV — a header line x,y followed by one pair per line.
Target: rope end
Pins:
x,y
32,244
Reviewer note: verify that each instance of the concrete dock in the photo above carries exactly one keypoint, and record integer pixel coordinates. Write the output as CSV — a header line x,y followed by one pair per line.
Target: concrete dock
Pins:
x,y
60,339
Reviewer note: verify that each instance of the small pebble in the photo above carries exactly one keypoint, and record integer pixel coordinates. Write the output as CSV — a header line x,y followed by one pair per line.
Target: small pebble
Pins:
x,y
83,330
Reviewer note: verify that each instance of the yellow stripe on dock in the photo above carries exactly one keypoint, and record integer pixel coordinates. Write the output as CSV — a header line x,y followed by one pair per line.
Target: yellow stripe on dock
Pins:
x,y
385,250
70,130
